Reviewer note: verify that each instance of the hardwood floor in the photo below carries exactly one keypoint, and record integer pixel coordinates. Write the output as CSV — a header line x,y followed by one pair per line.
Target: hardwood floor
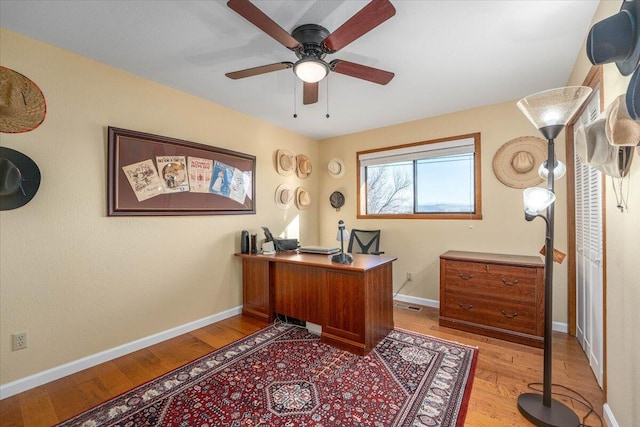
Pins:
x,y
503,371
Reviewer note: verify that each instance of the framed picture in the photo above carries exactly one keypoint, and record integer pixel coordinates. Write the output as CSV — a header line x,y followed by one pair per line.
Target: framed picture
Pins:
x,y
156,175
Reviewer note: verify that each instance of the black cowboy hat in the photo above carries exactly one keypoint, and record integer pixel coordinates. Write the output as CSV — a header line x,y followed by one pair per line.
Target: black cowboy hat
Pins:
x,y
617,39
19,179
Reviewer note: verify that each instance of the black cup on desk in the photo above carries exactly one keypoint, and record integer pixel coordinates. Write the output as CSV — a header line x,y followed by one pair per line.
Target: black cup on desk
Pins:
x,y
244,242
254,243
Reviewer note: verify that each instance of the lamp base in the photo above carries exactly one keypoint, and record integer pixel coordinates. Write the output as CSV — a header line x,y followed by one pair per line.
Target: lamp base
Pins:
x,y
342,258
531,406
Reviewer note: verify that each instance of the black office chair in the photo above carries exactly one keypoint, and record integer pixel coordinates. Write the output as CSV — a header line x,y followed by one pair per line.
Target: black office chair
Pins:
x,y
364,242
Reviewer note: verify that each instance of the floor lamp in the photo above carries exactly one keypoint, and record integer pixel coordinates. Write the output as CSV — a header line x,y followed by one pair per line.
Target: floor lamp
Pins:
x,y
549,111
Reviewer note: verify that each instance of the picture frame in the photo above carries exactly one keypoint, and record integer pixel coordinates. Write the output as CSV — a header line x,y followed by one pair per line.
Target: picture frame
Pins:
x,y
149,175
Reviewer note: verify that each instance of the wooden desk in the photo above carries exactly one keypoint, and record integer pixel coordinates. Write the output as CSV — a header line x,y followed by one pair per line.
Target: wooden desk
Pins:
x,y
353,303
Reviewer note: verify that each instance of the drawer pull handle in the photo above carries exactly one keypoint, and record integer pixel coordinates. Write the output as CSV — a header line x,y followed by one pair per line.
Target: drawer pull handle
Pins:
x,y
509,316
465,306
508,283
465,276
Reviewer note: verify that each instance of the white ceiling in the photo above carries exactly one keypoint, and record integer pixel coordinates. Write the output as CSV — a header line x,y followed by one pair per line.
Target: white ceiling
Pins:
x,y
446,55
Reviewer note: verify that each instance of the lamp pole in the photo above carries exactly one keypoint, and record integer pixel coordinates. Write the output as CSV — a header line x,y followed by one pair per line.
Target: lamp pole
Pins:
x,y
548,280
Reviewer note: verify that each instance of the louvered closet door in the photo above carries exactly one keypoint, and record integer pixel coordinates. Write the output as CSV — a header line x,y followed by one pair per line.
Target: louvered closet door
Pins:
x,y
589,253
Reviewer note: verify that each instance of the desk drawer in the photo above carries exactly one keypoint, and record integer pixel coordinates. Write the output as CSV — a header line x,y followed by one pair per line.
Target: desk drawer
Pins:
x,y
511,315
511,283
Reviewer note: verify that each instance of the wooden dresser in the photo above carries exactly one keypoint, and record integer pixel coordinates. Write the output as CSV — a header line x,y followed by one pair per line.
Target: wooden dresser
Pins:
x,y
501,296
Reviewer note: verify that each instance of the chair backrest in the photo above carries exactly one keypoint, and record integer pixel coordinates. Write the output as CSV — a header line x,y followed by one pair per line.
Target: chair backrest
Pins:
x,y
364,241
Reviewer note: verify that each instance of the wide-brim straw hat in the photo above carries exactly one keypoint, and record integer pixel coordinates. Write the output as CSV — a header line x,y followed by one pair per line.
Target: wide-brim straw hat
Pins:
x,y
336,168
284,196
516,163
615,39
22,104
303,166
285,163
19,179
303,198
608,159
620,128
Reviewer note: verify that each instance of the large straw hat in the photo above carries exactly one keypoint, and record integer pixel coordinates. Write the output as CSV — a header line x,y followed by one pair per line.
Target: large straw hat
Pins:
x,y
303,198
303,166
284,197
608,159
516,163
620,128
336,168
284,162
19,179
22,104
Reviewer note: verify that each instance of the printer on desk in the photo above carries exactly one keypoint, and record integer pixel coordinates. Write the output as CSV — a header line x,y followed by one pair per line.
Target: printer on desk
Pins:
x,y
281,245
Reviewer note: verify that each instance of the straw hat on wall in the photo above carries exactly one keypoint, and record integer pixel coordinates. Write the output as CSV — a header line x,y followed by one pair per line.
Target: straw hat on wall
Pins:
x,y
516,163
303,198
22,104
284,162
336,168
620,128
303,166
284,197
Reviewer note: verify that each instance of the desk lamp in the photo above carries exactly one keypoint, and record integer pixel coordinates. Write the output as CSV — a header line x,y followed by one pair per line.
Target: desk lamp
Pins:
x,y
343,234
549,112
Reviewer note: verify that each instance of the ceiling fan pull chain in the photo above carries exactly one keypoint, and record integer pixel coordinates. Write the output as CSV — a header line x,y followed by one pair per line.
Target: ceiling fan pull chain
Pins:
x,y
327,97
295,114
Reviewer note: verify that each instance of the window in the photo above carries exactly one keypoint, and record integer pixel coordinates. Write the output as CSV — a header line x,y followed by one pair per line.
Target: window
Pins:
x,y
437,179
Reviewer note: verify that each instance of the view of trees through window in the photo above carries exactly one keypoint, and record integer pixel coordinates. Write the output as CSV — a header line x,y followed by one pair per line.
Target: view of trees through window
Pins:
x,y
430,182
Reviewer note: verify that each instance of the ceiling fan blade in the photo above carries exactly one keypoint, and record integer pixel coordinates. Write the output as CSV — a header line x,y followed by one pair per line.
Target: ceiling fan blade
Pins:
x,y
249,72
369,17
360,71
310,93
251,13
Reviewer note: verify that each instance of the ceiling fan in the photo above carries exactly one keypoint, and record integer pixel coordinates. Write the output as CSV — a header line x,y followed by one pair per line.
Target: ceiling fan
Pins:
x,y
311,43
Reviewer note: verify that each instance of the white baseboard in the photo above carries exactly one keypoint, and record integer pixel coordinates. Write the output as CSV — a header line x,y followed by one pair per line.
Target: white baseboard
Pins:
x,y
420,301
609,419
557,326
35,380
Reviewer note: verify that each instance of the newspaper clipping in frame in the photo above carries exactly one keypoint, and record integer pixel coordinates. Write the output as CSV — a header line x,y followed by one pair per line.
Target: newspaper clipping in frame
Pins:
x,y
237,190
144,179
173,173
200,171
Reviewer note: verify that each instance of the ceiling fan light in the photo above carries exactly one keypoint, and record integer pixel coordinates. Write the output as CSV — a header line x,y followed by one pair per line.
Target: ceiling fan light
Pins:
x,y
310,69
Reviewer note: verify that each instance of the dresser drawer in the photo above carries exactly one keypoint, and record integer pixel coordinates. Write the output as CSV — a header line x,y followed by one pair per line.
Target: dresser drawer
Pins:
x,y
497,313
512,283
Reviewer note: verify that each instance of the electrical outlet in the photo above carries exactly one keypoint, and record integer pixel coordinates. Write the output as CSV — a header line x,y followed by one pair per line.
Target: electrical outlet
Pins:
x,y
19,341
409,277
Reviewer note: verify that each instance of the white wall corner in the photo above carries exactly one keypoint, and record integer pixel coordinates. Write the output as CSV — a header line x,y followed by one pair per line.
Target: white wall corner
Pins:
x,y
609,419
40,378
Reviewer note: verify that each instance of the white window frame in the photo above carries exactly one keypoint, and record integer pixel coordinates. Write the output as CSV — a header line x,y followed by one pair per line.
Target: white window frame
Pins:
x,y
461,144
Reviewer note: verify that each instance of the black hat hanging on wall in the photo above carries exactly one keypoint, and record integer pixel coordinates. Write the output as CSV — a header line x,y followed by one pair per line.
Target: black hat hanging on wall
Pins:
x,y
22,104
337,200
617,39
19,179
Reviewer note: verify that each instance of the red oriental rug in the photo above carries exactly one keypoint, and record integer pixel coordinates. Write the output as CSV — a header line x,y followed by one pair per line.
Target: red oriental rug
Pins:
x,y
283,376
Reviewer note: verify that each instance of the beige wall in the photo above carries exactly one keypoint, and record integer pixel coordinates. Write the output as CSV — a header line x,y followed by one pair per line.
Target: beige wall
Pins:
x,y
418,243
81,282
623,269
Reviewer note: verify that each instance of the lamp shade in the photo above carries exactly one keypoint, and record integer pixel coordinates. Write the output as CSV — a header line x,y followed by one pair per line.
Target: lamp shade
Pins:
x,y
558,171
537,199
553,107
310,69
342,235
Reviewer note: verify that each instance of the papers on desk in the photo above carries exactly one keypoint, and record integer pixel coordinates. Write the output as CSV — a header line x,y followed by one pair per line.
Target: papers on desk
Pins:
x,y
318,250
